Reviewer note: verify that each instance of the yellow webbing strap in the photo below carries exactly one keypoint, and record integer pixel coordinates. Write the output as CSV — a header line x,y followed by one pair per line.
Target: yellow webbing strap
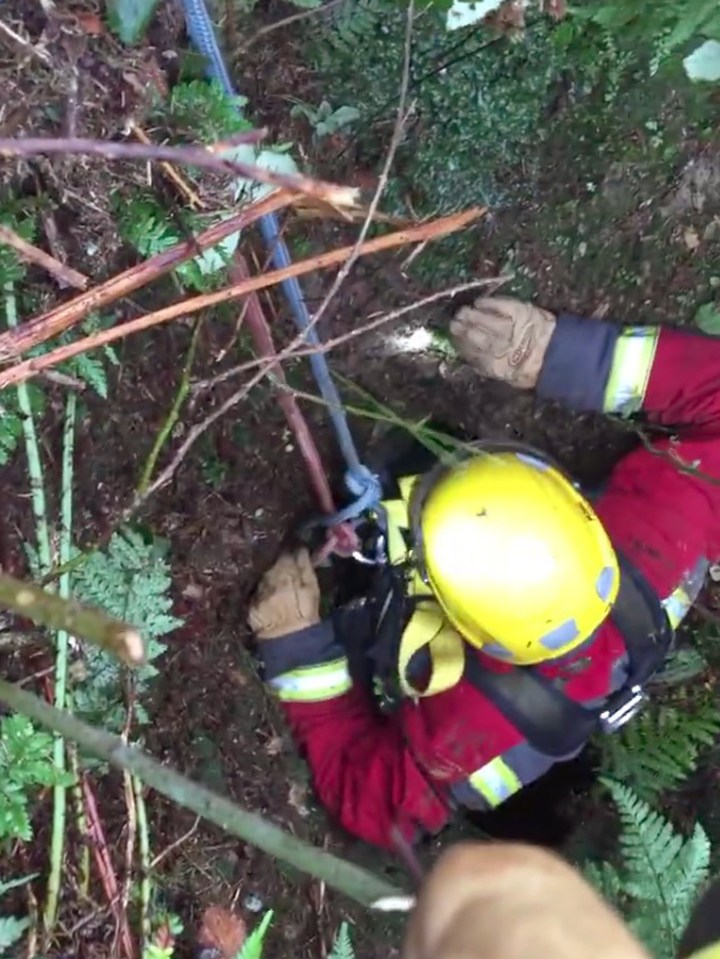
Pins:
x,y
428,625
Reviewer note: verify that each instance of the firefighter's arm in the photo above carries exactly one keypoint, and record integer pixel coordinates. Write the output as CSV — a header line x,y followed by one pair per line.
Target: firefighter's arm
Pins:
x,y
672,376
510,901
362,770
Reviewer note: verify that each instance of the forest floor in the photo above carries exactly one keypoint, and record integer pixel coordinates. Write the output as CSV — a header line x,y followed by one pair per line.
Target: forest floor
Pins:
x,y
637,240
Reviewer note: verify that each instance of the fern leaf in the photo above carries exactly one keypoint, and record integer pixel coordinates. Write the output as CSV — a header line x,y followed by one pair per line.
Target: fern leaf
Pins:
x,y
660,749
255,942
11,930
129,580
342,947
662,870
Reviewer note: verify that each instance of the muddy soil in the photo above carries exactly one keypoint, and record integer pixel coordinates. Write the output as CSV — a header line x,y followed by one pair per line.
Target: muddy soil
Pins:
x,y
627,251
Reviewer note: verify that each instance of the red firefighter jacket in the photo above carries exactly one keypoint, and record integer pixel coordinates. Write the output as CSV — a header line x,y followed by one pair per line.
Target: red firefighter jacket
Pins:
x,y
375,772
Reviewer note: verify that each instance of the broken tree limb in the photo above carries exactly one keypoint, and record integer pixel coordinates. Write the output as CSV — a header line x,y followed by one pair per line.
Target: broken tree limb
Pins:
x,y
41,328
351,880
423,232
53,612
208,158
65,275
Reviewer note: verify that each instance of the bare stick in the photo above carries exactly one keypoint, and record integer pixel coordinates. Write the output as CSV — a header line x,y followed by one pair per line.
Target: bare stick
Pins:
x,y
65,275
53,612
56,321
396,139
324,9
391,316
424,231
351,880
198,156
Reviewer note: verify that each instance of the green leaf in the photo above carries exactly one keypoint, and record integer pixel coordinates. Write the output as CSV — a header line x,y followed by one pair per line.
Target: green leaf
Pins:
x,y
342,947
11,929
253,946
703,64
307,4
707,317
129,19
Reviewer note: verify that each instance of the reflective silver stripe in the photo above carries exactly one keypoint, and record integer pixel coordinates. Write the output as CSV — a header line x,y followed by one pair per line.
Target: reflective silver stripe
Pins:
x,y
678,603
630,371
313,683
496,781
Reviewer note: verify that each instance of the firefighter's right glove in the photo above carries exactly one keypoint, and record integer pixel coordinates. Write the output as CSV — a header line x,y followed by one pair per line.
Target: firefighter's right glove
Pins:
x,y
287,598
504,338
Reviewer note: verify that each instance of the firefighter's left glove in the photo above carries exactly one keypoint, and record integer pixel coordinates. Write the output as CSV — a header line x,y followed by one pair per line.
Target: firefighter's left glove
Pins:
x,y
287,598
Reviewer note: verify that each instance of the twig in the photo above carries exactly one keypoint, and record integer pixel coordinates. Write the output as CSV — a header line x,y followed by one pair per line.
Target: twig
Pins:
x,y
57,841
323,9
32,254
169,170
56,321
102,855
173,414
198,156
81,819
131,810
395,140
25,45
54,612
264,346
32,449
424,231
174,845
331,344
349,879
145,864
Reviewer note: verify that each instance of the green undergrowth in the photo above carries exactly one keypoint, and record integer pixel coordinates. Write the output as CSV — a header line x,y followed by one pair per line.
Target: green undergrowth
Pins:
x,y
497,121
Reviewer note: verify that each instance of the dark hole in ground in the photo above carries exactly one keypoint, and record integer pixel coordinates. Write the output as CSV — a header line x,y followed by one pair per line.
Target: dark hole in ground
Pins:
x,y
545,813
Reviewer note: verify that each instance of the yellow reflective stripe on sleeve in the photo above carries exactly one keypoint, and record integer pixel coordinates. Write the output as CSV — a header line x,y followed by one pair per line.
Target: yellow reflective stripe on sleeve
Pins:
x,y
678,603
495,781
313,684
630,370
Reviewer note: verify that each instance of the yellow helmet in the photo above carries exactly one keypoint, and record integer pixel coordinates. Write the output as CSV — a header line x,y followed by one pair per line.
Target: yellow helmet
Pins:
x,y
515,555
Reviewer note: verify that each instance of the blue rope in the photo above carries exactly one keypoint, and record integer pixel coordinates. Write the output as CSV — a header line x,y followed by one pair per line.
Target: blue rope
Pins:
x,y
360,481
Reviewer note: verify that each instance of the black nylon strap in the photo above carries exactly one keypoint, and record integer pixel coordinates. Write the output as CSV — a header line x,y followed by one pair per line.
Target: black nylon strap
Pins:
x,y
547,718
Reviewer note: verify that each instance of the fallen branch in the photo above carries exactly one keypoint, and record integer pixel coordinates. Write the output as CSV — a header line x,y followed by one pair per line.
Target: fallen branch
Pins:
x,y
420,233
53,612
198,156
41,328
65,275
351,880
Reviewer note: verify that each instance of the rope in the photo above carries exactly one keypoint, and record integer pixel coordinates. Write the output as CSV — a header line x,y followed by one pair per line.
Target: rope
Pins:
x,y
361,482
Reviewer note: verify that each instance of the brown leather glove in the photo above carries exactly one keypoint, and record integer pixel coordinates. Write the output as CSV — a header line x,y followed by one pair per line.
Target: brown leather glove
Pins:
x,y
287,598
504,338
511,901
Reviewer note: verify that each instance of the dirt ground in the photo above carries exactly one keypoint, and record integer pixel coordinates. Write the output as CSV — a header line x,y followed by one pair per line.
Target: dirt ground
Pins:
x,y
243,487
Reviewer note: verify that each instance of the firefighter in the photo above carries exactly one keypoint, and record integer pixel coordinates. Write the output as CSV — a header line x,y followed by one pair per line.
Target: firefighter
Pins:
x,y
511,617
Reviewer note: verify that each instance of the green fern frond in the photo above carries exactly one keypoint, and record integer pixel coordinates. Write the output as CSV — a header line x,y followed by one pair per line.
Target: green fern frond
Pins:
x,y
11,931
661,748
10,425
130,580
255,942
661,870
204,112
342,947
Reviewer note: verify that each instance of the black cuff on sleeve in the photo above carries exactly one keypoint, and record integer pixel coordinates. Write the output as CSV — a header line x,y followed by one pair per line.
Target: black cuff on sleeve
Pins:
x,y
577,363
311,646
